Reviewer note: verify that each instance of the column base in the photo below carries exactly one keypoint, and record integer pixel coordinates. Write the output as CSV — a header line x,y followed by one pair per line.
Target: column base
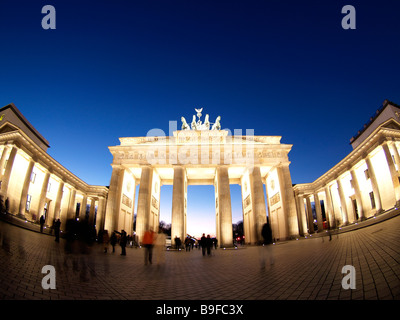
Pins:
x,y
21,216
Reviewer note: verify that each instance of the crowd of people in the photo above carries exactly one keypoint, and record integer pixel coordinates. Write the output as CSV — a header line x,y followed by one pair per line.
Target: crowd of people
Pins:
x,y
155,244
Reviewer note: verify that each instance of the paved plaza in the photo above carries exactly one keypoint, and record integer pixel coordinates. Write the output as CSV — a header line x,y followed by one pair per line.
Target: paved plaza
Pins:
x,y
307,269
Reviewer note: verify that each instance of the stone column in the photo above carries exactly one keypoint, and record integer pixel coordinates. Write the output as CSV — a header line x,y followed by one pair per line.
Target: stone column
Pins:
x,y
144,202
357,193
42,198
82,211
258,201
345,217
100,217
92,211
396,156
310,218
225,207
302,216
25,188
71,205
3,159
57,205
318,210
178,205
393,172
374,183
288,202
7,173
114,199
330,216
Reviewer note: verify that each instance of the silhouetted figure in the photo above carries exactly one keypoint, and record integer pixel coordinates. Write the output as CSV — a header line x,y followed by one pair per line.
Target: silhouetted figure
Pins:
x,y
178,243
203,243
215,241
209,244
148,241
188,243
329,231
41,220
7,205
106,240
122,242
2,209
266,247
113,241
57,225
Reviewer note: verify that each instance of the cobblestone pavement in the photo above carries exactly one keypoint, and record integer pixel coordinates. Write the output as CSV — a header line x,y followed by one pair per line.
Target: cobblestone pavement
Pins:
x,y
307,269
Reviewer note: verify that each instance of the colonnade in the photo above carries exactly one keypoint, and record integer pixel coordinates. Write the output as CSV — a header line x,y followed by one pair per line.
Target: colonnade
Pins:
x,y
32,187
358,189
253,199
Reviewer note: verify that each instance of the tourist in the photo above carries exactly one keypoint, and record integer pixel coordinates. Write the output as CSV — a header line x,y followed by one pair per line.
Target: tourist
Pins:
x,y
209,244
267,245
215,243
42,220
122,242
7,205
113,241
203,244
148,242
187,243
106,240
57,225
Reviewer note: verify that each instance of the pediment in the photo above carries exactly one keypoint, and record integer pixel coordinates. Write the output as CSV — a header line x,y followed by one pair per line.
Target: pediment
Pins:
x,y
391,124
8,127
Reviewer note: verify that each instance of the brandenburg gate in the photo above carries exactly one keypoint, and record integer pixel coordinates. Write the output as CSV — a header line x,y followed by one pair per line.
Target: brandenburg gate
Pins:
x,y
203,154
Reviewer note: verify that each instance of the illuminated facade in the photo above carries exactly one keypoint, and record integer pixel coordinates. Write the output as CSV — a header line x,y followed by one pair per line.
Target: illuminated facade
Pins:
x,y
203,156
363,184
34,184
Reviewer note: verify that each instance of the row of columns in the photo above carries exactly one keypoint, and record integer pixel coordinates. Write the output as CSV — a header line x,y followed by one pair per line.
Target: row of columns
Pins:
x,y
349,217
71,211
223,203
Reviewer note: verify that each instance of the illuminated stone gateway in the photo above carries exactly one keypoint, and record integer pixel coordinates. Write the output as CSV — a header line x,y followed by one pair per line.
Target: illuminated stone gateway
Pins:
x,y
363,184
203,155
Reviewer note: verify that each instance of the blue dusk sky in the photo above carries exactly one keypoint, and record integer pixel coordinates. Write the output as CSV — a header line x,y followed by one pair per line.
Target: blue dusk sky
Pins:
x,y
115,69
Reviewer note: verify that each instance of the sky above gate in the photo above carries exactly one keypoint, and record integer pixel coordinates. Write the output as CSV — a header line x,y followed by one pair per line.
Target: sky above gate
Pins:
x,y
115,69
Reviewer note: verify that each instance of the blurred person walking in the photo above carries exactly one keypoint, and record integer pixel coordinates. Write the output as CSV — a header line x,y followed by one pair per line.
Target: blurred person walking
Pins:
x,y
266,248
113,241
209,244
160,247
57,225
148,242
106,240
203,244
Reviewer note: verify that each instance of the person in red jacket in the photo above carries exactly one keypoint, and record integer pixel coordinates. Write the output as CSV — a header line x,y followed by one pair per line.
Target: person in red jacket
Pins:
x,y
148,242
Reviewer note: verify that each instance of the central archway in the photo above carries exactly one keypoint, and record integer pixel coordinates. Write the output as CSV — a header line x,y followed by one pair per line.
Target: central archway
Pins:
x,y
200,211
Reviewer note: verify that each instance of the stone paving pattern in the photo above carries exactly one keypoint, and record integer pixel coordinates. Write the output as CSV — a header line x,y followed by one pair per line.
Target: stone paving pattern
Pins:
x,y
306,269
